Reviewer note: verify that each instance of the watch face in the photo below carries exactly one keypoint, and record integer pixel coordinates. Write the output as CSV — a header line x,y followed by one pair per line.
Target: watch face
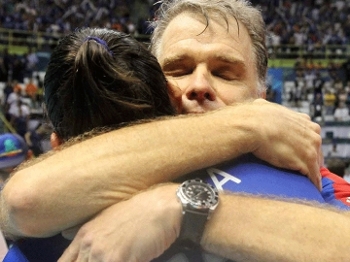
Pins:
x,y
200,194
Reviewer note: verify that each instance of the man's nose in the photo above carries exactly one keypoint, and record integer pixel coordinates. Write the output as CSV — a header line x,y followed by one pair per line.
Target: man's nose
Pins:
x,y
200,87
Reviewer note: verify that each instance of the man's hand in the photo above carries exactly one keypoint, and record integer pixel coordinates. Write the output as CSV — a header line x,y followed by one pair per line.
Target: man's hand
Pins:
x,y
287,139
138,229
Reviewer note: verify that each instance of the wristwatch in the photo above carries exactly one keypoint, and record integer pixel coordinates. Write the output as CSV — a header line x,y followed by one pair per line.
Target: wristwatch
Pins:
x,y
199,199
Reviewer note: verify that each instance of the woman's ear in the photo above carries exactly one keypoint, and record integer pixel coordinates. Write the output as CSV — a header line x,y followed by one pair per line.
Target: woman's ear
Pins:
x,y
55,140
175,95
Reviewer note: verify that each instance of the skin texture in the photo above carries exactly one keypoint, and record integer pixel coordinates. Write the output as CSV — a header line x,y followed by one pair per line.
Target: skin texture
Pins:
x,y
285,242
156,226
229,132
212,68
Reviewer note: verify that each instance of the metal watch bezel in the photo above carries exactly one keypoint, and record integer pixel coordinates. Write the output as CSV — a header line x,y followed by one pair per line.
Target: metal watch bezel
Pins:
x,y
211,201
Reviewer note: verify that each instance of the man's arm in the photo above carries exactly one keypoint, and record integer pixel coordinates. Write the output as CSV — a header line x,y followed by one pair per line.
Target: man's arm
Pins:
x,y
242,228
246,228
72,185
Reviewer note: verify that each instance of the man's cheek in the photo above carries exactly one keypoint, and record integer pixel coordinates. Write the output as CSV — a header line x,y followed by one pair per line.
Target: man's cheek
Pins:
x,y
175,95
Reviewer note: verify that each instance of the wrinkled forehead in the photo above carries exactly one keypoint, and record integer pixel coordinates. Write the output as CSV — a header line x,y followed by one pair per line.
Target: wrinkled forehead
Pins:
x,y
211,22
207,31
214,23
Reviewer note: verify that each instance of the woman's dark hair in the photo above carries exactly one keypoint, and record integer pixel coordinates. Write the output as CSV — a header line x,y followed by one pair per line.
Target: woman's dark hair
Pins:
x,y
102,77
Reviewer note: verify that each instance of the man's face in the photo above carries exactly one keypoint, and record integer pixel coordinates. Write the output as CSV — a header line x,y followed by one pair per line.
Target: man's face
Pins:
x,y
211,67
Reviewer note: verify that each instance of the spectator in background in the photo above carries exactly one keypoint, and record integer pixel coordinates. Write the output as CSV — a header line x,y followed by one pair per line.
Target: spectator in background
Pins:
x,y
305,23
18,69
7,60
338,85
299,88
341,112
341,97
333,71
329,99
31,63
3,71
31,90
13,96
347,91
309,77
35,136
334,152
13,151
19,117
319,65
40,91
346,65
317,108
318,83
8,89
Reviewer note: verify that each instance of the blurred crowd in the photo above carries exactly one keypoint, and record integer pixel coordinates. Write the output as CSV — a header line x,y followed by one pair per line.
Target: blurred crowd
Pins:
x,y
22,93
61,16
20,102
297,22
313,23
324,87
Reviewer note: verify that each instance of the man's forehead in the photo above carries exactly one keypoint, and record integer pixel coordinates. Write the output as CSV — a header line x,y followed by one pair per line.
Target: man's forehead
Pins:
x,y
200,26
189,30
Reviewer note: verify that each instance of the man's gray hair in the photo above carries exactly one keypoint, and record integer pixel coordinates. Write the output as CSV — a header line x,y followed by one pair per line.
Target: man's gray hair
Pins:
x,y
241,10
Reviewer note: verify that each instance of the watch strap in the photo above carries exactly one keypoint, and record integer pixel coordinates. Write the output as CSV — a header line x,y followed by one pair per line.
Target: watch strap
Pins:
x,y
192,228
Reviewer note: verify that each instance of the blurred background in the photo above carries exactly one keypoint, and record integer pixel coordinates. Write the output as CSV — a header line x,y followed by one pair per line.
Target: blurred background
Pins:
x,y
308,44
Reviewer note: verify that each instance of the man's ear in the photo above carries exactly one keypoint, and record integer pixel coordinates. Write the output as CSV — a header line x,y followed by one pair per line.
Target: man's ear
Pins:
x,y
55,140
175,95
263,94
